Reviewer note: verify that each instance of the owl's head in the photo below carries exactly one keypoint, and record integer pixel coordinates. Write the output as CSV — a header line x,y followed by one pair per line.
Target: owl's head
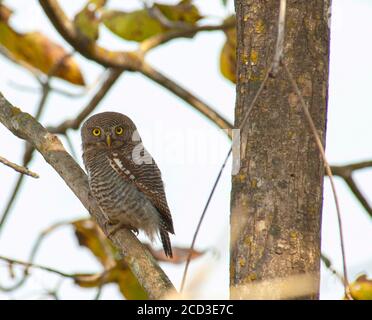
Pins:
x,y
108,130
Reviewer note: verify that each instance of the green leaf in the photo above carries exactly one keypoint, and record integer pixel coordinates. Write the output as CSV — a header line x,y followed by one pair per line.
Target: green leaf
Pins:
x,y
133,26
87,22
129,286
127,283
139,25
184,11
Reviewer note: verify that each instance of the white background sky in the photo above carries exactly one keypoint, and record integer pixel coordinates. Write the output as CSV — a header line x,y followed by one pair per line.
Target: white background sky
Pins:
x,y
188,149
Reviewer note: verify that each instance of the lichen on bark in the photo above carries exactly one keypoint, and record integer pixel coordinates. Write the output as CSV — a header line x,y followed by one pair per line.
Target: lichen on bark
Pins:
x,y
276,199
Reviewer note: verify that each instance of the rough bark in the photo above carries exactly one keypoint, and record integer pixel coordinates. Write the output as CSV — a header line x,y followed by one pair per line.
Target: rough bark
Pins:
x,y
276,199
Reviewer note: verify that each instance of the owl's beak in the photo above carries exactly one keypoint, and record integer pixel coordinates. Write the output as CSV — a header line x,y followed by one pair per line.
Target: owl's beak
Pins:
x,y
108,140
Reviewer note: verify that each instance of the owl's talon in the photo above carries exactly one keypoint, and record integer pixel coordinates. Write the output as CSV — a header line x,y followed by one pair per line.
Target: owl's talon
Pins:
x,y
117,227
114,229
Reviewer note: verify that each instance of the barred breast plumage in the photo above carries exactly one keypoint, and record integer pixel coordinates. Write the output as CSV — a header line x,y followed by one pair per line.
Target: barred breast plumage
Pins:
x,y
123,177
119,199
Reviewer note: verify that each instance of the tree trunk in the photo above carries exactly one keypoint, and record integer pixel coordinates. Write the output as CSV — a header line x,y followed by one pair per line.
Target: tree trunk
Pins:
x,y
276,200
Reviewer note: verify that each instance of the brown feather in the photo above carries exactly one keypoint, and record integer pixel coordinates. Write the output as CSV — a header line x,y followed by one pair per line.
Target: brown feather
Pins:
x,y
147,178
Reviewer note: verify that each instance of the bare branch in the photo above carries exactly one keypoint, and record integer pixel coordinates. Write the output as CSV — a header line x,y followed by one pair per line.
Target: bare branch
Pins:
x,y
116,59
31,265
190,32
138,258
155,13
18,168
131,61
25,66
11,200
46,90
339,170
34,250
346,173
328,264
113,75
246,116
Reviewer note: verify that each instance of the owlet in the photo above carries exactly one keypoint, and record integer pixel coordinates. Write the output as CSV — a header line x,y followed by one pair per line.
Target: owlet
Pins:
x,y
123,178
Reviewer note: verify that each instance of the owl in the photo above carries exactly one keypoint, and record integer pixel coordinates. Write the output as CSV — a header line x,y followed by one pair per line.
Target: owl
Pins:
x,y
123,178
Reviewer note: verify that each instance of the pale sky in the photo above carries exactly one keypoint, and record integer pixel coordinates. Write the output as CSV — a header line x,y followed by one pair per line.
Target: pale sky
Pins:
x,y
188,149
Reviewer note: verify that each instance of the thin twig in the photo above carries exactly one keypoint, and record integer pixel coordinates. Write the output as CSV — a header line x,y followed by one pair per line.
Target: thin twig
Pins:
x,y
346,173
156,14
26,88
18,168
122,60
138,258
70,145
111,78
328,263
162,38
11,200
327,168
46,90
37,266
25,66
32,256
358,194
45,86
248,112
352,167
201,220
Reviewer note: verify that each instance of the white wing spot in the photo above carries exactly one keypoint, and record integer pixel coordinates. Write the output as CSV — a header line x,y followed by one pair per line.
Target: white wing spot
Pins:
x,y
118,163
131,177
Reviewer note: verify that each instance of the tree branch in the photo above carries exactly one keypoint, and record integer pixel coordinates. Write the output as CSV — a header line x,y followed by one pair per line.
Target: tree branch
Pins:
x,y
190,32
346,173
28,265
131,61
113,75
45,90
18,168
92,51
139,259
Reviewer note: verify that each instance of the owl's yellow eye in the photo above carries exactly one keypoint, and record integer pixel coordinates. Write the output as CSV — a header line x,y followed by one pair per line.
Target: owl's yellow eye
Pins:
x,y
96,132
119,130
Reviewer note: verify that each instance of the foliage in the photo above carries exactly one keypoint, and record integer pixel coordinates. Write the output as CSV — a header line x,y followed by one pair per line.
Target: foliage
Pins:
x,y
90,236
140,25
228,53
361,288
38,51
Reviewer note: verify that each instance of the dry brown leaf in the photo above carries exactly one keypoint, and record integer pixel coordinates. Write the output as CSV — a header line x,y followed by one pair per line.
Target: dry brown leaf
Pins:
x,y
38,51
179,254
90,236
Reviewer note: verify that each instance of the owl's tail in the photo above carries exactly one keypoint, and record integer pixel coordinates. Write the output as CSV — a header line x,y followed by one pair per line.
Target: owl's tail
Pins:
x,y
166,243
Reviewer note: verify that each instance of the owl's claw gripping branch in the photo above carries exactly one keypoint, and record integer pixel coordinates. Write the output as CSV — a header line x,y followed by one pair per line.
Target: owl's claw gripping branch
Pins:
x,y
139,259
112,229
